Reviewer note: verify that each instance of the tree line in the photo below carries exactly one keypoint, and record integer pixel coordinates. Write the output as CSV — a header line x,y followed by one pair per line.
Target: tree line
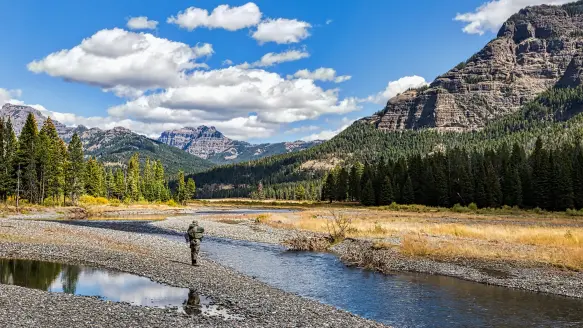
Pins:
x,y
551,179
40,168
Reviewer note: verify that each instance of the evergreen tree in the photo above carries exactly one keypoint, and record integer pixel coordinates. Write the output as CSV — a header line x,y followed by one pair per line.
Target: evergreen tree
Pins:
x,y
386,194
368,194
408,192
562,181
300,192
577,176
440,179
8,148
27,159
181,188
190,189
94,180
354,181
541,176
328,189
341,185
133,178
119,189
75,169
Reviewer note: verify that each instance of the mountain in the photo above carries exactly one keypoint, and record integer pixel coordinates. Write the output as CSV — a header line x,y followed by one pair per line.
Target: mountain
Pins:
x,y
113,146
209,143
523,85
19,113
530,54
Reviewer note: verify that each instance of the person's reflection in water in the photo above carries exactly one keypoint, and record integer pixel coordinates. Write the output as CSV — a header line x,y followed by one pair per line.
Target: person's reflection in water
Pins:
x,y
192,304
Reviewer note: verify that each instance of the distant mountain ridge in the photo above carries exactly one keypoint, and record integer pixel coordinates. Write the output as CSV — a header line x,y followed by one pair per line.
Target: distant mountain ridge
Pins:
x,y
114,146
209,143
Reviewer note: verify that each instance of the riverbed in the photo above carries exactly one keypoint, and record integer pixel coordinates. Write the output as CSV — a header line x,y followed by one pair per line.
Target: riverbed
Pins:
x,y
399,299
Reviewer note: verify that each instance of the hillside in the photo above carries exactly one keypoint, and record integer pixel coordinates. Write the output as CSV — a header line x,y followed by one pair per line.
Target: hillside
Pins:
x,y
113,146
469,107
209,143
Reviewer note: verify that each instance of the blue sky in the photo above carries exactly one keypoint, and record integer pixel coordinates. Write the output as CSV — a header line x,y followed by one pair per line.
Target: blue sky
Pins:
x,y
176,75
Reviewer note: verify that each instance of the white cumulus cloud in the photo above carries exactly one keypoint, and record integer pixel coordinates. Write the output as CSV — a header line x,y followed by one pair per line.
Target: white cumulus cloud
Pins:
x,y
274,58
491,15
10,96
234,92
281,31
395,87
325,134
117,59
223,16
321,74
141,23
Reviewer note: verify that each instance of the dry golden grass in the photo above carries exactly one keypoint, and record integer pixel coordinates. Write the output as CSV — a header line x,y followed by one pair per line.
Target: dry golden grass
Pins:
x,y
556,240
451,250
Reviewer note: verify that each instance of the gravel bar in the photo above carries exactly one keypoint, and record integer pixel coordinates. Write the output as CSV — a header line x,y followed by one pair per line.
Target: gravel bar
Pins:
x,y
157,258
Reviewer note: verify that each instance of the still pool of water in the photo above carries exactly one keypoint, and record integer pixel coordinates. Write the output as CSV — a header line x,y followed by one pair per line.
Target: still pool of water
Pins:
x,y
400,300
105,284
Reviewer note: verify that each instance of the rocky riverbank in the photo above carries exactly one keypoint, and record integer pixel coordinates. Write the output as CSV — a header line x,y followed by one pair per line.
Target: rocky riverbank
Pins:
x,y
363,253
154,257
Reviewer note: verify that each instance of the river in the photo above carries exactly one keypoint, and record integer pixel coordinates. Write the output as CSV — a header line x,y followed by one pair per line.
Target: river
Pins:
x,y
400,300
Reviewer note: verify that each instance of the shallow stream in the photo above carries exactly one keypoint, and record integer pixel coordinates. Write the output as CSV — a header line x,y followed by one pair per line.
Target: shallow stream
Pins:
x,y
400,300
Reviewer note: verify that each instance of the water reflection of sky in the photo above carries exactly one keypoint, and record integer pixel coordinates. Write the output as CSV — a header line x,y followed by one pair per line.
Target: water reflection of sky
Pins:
x,y
123,287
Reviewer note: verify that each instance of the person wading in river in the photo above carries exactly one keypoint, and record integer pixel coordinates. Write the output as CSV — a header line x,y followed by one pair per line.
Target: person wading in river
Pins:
x,y
194,237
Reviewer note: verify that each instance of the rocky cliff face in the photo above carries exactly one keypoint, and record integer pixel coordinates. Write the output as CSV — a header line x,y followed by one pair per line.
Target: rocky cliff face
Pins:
x,y
534,50
202,141
209,143
18,115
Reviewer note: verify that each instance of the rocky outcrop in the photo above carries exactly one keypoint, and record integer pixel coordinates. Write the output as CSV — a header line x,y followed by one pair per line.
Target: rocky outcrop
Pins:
x,y
202,141
573,76
209,143
19,113
532,52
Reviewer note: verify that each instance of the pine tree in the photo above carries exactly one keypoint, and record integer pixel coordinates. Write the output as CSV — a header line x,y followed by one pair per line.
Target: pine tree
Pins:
x,y
354,181
300,192
479,173
119,184
181,188
492,185
342,185
562,180
26,158
8,147
577,176
386,194
328,189
519,163
94,178
75,169
440,180
133,178
190,189
368,194
408,193
541,176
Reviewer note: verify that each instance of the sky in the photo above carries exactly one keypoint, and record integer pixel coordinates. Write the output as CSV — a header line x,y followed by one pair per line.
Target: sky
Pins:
x,y
263,71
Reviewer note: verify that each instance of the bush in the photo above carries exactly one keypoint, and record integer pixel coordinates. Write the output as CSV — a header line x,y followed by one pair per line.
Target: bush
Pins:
x,y
114,202
90,200
262,218
172,203
473,207
338,225
458,208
